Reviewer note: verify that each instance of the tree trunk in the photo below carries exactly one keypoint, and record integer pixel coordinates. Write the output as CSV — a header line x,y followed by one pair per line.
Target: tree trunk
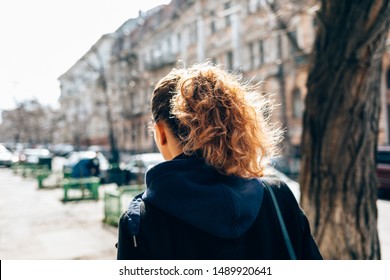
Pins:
x,y
115,157
340,131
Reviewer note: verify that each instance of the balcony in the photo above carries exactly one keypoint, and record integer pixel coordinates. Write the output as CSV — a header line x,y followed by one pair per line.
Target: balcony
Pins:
x,y
160,62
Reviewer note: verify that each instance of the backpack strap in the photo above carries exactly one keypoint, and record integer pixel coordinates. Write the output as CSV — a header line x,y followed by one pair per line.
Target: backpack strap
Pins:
x,y
286,237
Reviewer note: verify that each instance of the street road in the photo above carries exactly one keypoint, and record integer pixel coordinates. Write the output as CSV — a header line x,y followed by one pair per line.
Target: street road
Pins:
x,y
35,224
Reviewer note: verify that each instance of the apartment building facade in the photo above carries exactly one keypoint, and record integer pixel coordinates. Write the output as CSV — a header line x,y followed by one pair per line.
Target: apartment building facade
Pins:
x,y
243,36
246,36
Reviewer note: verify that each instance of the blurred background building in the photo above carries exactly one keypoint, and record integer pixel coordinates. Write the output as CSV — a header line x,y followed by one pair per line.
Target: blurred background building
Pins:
x,y
105,95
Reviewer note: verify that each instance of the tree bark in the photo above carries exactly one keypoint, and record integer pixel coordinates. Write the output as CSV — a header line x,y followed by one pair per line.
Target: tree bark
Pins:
x,y
340,130
115,157
102,83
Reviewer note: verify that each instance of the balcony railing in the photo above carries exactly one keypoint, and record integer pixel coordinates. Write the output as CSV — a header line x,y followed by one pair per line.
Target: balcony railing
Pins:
x,y
161,61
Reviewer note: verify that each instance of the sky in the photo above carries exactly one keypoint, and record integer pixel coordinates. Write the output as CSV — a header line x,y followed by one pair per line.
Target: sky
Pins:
x,y
42,39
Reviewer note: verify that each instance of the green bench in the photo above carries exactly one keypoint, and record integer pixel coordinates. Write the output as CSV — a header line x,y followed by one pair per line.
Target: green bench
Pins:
x,y
30,170
42,175
54,179
116,202
17,168
87,187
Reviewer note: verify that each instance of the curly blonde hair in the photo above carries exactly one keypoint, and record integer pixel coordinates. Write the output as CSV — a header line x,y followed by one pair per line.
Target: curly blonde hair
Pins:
x,y
215,115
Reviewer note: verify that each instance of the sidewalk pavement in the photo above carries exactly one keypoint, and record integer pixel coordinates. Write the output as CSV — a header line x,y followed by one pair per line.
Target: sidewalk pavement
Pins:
x,y
35,224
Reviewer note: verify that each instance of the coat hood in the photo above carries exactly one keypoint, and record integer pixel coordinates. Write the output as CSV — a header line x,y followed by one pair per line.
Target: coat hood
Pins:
x,y
189,189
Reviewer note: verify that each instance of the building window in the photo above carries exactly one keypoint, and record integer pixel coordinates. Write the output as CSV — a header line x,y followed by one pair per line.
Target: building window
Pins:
x,y
138,132
169,44
297,103
193,32
292,36
131,100
261,52
279,54
229,58
251,55
133,133
213,27
228,20
179,41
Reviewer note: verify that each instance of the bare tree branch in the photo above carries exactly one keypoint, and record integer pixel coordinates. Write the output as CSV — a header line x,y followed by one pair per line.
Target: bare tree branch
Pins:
x,y
273,5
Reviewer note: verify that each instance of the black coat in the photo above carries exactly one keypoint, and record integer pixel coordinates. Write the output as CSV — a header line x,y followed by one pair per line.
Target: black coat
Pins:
x,y
210,216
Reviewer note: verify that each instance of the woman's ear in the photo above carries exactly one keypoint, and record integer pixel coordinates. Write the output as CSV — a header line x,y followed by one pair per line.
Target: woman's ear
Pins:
x,y
161,137
166,141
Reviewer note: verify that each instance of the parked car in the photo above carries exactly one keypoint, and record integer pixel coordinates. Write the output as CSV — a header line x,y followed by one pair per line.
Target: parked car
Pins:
x,y
137,166
36,156
100,149
86,164
383,170
62,150
5,156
